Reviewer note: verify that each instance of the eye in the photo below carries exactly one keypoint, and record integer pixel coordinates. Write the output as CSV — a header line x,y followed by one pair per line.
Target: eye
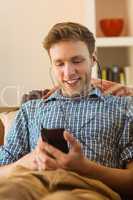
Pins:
x,y
59,64
78,61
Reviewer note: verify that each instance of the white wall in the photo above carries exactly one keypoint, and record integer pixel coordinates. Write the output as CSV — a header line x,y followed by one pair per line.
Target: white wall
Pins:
x,y
24,65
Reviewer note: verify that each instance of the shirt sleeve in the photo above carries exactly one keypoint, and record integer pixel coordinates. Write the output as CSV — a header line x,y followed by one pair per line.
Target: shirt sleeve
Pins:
x,y
17,141
126,140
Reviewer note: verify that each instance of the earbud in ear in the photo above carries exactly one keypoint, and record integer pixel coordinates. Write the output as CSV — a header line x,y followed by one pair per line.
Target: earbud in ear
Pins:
x,y
94,58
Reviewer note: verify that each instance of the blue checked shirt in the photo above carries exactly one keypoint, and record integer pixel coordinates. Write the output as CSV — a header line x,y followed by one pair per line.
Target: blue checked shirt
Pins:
x,y
102,124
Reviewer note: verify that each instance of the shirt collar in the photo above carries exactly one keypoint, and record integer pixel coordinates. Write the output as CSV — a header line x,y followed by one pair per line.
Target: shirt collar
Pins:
x,y
94,93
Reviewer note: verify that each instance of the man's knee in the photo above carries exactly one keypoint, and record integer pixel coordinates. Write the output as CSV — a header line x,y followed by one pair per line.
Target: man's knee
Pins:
x,y
91,195
69,195
62,195
11,190
22,188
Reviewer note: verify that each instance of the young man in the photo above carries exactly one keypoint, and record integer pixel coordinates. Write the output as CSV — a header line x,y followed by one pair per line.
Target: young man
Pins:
x,y
99,130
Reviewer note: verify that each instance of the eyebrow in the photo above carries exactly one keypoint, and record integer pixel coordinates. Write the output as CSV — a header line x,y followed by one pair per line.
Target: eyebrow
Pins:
x,y
72,58
77,57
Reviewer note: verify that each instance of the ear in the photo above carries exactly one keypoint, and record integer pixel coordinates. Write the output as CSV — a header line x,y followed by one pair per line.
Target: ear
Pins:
x,y
94,58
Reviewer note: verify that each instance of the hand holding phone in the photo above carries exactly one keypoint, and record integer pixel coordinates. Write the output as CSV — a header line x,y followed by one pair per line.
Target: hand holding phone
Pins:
x,y
55,138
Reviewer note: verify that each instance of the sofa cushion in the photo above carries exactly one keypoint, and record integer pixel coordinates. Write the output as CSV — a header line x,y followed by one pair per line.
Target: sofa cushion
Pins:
x,y
6,122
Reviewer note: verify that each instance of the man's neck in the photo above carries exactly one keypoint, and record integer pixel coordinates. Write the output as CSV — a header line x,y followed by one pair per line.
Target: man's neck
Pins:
x,y
84,93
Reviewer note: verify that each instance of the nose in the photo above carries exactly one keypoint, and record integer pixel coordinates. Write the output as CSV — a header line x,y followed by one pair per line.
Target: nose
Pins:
x,y
69,70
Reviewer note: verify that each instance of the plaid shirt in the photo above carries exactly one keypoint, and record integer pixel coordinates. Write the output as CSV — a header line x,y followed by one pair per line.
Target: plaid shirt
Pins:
x,y
102,124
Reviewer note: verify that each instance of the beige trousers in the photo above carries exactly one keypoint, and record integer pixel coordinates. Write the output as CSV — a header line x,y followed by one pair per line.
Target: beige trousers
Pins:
x,y
24,184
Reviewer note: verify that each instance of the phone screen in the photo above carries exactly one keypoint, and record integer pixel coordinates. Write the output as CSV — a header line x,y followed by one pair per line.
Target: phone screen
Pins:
x,y
55,137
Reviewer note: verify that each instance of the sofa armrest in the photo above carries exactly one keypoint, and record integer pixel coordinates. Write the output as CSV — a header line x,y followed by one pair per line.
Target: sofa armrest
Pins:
x,y
6,116
1,133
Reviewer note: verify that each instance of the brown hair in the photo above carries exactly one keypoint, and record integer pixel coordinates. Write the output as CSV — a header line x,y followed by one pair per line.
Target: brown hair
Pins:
x,y
69,31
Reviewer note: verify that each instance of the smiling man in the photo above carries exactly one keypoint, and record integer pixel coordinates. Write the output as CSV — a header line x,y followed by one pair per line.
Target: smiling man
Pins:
x,y
72,66
98,130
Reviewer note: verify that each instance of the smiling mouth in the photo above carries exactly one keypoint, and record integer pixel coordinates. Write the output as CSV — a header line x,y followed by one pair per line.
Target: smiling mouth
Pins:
x,y
72,83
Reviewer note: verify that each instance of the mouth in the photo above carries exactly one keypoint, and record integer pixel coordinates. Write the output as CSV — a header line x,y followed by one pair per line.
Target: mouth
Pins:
x,y
72,82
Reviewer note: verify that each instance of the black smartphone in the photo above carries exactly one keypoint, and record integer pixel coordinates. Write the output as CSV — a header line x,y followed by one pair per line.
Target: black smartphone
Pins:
x,y
55,137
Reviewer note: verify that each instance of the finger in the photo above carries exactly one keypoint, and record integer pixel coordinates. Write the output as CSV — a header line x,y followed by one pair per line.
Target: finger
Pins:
x,y
40,144
46,162
50,163
39,159
56,153
40,164
69,137
50,92
75,145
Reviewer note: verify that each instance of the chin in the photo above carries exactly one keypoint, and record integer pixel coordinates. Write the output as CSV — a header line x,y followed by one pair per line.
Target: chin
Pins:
x,y
74,94
71,93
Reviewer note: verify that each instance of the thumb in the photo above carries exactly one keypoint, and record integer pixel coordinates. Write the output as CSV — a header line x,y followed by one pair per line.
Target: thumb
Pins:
x,y
75,145
40,143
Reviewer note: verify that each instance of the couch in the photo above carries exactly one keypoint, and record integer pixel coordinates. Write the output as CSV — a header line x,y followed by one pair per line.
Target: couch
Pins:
x,y
7,114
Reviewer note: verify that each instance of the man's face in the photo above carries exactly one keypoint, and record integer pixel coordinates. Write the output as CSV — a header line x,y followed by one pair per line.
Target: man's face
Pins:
x,y
72,66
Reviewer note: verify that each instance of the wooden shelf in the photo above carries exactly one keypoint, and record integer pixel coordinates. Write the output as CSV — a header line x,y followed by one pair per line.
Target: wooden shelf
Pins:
x,y
112,50
114,41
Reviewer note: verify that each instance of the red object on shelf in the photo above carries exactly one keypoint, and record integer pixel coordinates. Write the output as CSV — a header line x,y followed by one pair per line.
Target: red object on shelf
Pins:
x,y
112,27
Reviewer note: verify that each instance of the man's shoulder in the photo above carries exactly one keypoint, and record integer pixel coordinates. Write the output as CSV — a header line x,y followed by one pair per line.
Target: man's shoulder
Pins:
x,y
33,105
119,100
